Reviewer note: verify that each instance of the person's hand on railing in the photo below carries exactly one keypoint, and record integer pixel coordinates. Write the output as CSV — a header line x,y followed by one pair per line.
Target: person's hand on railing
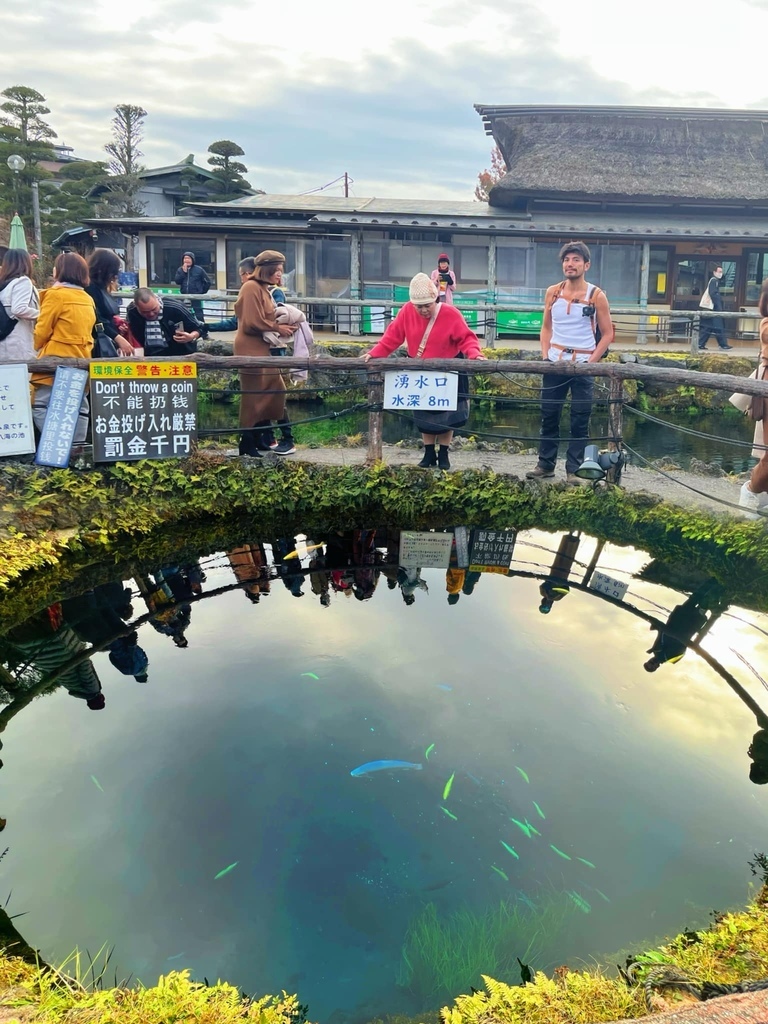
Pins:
x,y
365,356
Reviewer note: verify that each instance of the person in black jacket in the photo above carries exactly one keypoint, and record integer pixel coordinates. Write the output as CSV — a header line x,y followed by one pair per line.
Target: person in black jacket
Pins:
x,y
103,268
713,324
192,280
154,323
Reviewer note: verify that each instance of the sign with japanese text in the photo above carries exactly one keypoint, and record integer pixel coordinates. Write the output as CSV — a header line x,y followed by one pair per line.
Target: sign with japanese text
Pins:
x,y
425,550
491,549
425,389
606,585
61,417
17,435
461,534
143,410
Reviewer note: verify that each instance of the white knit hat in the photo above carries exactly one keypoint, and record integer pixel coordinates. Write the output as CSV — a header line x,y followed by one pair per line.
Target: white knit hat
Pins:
x,y
421,291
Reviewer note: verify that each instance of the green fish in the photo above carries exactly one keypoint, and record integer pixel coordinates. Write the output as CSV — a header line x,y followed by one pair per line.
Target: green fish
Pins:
x,y
226,870
534,830
522,827
96,783
524,774
587,862
539,811
509,849
559,852
500,872
602,895
310,674
448,785
446,811
428,751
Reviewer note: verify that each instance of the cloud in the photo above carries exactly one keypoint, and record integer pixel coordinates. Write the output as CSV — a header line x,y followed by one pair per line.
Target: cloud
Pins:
x,y
309,93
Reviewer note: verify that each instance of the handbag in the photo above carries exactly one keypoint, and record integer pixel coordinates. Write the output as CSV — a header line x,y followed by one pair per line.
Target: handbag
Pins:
x,y
705,302
103,346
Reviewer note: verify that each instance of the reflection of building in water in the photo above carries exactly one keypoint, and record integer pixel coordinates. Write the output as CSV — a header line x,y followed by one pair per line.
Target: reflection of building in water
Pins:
x,y
556,587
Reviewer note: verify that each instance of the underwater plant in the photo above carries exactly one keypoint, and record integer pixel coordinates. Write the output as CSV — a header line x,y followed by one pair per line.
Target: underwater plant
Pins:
x,y
442,957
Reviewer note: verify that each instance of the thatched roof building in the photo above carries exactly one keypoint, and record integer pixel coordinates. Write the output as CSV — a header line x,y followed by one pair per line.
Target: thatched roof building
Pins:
x,y
630,155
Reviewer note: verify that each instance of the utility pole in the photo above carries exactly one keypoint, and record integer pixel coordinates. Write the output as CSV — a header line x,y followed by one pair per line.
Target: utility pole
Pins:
x,y
346,185
36,210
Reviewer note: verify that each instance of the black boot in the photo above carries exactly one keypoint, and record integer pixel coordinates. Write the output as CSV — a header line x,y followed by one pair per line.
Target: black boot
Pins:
x,y
430,458
442,457
264,438
249,444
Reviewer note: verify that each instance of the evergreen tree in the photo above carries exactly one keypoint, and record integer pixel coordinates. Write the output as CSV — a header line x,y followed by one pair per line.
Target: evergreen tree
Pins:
x,y
124,180
23,132
230,183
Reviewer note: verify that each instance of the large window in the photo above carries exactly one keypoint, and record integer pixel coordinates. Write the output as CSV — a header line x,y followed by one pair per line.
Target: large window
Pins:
x,y
328,266
471,266
615,268
164,258
510,267
659,276
238,249
757,271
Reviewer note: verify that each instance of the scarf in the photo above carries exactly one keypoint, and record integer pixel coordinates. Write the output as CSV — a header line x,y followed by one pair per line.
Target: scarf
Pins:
x,y
154,338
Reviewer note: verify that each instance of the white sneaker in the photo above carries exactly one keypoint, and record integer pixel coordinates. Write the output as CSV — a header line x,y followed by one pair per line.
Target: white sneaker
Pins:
x,y
750,501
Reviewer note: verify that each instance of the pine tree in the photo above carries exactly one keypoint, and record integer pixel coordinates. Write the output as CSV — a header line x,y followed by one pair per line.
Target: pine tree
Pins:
x,y
23,132
230,183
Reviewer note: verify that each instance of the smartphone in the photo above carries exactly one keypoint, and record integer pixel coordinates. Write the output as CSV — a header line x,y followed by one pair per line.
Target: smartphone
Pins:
x,y
180,326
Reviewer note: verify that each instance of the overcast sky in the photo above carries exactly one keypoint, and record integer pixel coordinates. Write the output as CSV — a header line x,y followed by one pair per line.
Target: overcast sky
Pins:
x,y
383,90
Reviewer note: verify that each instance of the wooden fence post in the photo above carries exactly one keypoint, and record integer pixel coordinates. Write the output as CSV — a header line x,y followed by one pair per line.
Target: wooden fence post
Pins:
x,y
375,416
615,423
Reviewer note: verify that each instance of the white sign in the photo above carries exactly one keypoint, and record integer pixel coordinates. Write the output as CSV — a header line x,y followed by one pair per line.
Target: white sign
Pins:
x,y
431,390
17,435
606,585
425,550
461,533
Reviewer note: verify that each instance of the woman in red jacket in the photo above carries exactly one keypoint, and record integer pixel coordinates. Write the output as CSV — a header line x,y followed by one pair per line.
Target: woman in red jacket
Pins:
x,y
432,330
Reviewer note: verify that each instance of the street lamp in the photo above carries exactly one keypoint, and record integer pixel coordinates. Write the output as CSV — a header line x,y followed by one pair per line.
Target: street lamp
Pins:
x,y
17,163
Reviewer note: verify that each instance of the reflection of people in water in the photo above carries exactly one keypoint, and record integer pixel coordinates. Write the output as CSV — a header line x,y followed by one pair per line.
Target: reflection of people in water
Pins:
x,y
555,587
410,581
319,577
454,576
288,565
365,577
758,752
686,622
470,582
45,643
249,564
98,615
167,597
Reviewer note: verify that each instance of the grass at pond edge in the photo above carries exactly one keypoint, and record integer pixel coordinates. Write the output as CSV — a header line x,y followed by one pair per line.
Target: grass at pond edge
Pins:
x,y
733,949
55,523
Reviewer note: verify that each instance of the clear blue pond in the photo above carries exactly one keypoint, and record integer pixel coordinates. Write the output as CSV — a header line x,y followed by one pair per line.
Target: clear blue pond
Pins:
x,y
625,795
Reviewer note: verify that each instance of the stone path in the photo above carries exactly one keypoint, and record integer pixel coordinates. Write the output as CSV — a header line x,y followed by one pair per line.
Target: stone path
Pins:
x,y
744,1008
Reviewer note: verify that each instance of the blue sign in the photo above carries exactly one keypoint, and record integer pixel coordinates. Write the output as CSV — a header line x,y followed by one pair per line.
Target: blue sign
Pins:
x,y
61,418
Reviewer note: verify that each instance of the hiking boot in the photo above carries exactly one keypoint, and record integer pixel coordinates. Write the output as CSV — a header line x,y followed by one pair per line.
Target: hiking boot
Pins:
x,y
540,473
443,462
285,447
248,445
430,457
574,481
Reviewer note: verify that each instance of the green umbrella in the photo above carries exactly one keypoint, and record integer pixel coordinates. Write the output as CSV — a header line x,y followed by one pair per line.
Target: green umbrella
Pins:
x,y
17,240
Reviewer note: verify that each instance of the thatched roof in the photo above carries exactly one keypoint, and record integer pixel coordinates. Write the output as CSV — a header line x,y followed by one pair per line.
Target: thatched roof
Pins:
x,y
630,153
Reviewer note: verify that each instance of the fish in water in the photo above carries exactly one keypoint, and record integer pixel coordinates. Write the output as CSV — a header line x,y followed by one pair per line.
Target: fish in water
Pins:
x,y
539,810
500,872
534,830
226,870
444,686
524,774
526,975
580,902
96,783
310,674
447,788
177,957
587,862
559,852
446,811
522,827
383,766
428,751
437,885
510,849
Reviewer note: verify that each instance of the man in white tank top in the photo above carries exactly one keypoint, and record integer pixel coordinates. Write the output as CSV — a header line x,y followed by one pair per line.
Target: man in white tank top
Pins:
x,y
576,315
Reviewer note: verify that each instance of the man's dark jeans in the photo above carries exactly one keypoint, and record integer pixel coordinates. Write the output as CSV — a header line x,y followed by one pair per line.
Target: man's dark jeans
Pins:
x,y
555,388
712,325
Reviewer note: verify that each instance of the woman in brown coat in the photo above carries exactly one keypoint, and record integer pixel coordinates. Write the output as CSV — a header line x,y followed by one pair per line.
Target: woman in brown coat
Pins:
x,y
255,312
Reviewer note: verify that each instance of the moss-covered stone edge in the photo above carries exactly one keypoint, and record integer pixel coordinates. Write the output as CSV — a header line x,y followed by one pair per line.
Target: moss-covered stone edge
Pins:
x,y
55,523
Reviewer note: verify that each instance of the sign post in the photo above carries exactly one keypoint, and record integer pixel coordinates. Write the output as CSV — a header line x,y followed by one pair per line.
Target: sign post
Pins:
x,y
425,550
492,550
60,424
143,410
425,389
17,434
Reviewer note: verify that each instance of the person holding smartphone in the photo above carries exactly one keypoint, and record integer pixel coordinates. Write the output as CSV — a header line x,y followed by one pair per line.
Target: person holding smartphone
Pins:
x,y
444,279
163,326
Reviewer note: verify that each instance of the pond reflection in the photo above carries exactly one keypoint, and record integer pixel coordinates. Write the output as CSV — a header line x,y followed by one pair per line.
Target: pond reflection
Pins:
x,y
319,765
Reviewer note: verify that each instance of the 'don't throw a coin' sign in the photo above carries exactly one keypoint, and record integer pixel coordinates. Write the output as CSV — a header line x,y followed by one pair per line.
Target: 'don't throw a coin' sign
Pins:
x,y
143,410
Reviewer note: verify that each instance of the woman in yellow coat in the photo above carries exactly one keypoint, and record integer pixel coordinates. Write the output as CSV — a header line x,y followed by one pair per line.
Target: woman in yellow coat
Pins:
x,y
64,328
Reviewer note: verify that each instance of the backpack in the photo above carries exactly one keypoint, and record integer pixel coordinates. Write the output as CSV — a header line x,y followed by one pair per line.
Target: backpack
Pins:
x,y
590,302
7,323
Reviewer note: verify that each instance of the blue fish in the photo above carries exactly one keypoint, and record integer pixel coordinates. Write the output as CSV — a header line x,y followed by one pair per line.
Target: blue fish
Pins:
x,y
383,766
444,686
